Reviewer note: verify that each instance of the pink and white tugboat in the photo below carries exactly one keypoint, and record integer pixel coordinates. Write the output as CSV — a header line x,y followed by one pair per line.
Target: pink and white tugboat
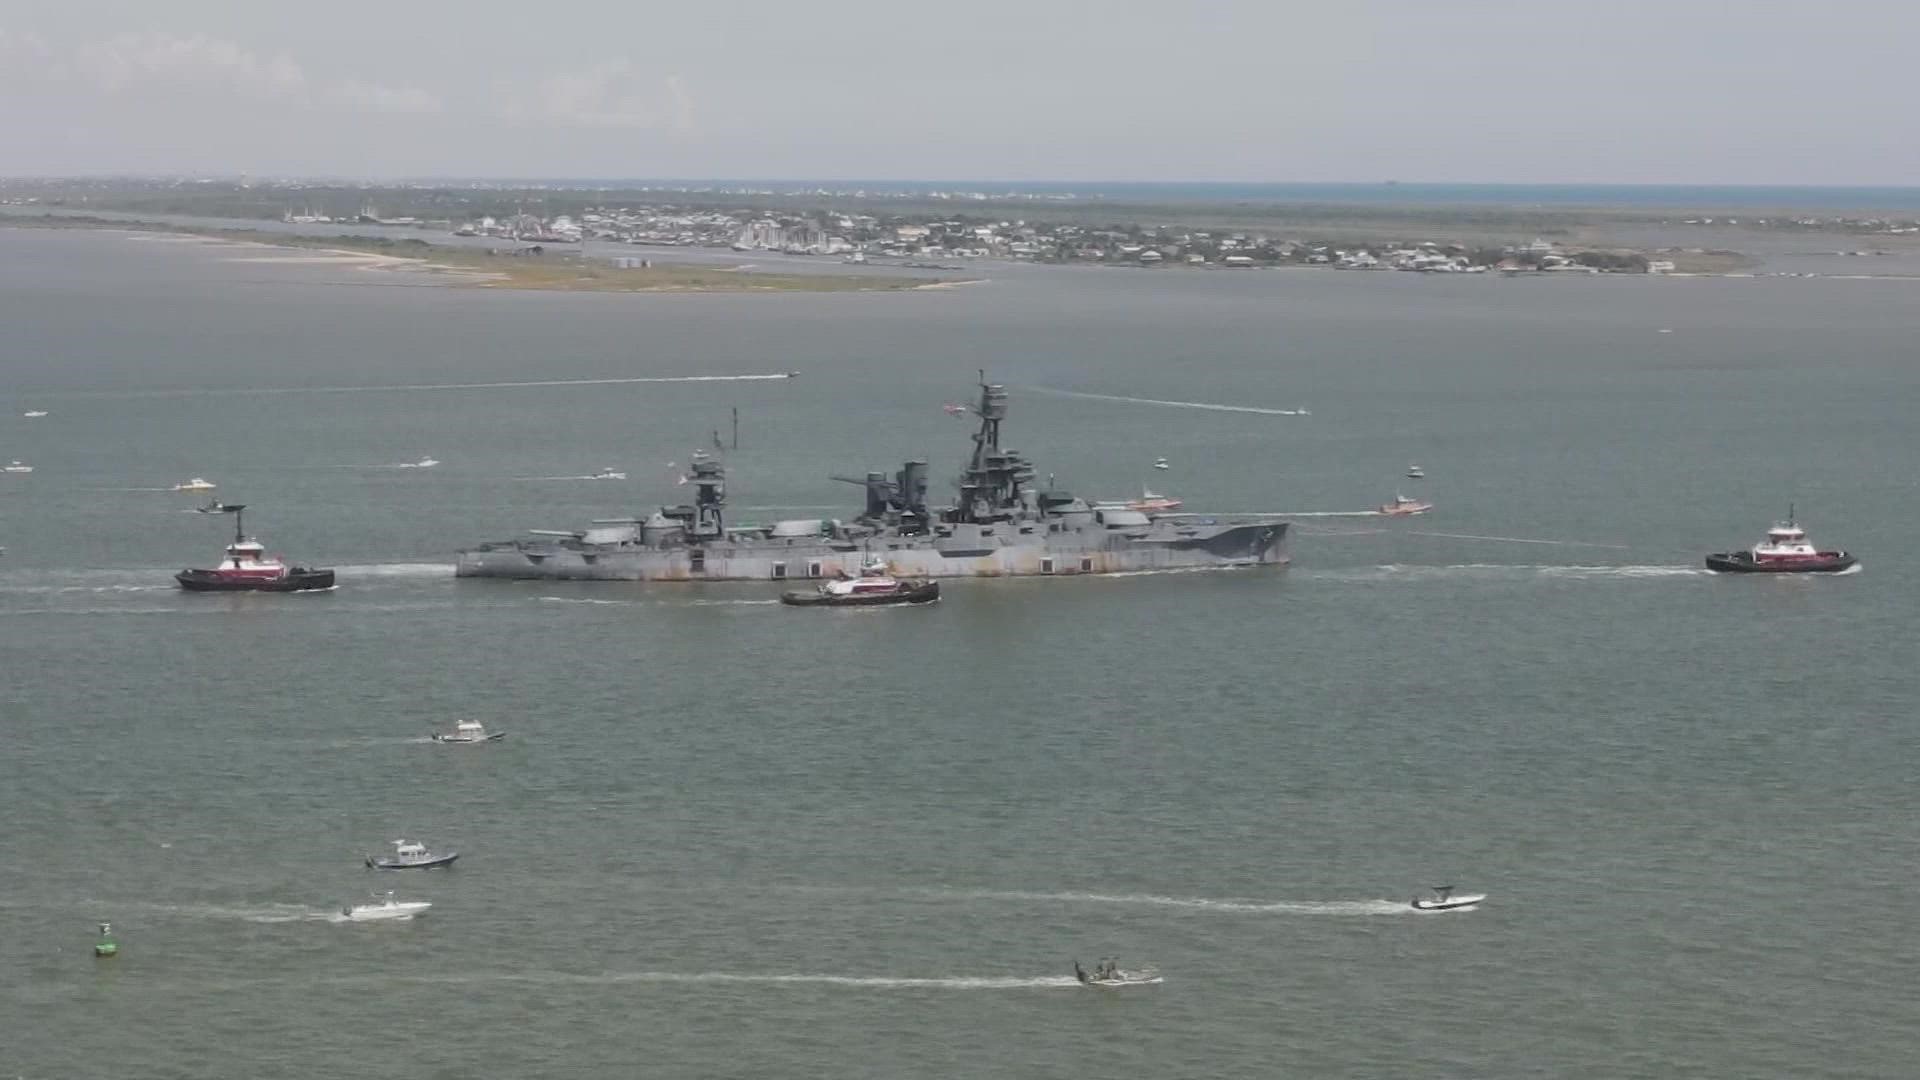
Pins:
x,y
873,587
1786,550
248,568
1401,506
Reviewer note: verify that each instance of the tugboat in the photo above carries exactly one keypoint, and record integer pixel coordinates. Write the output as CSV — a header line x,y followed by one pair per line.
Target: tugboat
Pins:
x,y
410,855
873,587
1401,506
248,568
1786,550
1150,503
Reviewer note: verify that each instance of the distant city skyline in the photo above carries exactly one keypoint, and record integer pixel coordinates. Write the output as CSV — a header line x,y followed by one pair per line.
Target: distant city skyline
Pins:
x,y
1236,91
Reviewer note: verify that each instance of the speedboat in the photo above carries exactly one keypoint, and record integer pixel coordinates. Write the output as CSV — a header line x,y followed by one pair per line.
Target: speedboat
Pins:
x,y
1444,898
469,731
872,588
17,466
1415,472
1401,506
1148,502
411,855
423,463
34,414
608,473
1786,550
248,568
386,909
198,483
1109,975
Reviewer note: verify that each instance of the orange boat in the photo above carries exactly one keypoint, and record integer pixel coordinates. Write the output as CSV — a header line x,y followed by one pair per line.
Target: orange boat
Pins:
x,y
1401,506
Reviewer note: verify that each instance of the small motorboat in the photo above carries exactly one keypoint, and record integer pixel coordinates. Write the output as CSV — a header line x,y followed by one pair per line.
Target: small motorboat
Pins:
x,y
1444,898
608,473
1149,502
1415,472
1401,506
385,910
198,483
34,414
248,568
423,463
1161,463
1109,975
17,466
469,731
411,855
872,588
1786,550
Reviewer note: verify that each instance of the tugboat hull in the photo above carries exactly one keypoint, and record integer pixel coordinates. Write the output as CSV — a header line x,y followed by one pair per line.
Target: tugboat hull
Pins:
x,y
1742,562
295,580
924,593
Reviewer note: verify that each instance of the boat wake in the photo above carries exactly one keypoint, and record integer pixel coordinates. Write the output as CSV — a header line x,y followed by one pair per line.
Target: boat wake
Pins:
x,y
1519,540
265,913
1193,903
398,570
1169,404
657,603
1400,572
861,982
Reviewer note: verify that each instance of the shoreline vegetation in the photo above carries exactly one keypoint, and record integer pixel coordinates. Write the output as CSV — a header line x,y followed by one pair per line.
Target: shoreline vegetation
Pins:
x,y
536,268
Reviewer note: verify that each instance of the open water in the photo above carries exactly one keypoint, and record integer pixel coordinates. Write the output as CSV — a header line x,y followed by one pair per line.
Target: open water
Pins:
x,y
724,838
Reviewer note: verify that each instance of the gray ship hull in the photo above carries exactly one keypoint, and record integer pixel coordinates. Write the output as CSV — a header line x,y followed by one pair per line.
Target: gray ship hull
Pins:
x,y
975,551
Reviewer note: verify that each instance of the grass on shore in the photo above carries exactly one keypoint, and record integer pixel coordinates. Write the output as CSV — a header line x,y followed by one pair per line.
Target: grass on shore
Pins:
x,y
472,267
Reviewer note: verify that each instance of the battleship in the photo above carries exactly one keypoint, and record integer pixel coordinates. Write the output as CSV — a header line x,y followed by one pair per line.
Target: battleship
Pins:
x,y
1002,524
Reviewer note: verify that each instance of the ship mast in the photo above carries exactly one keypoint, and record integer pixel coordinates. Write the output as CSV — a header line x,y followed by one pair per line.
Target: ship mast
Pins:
x,y
990,488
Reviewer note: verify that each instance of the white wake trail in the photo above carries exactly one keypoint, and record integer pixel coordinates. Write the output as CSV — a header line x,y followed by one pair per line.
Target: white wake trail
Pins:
x,y
1169,404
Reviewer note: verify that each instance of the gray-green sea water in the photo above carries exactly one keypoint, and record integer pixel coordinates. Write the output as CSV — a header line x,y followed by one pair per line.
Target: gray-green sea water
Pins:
x,y
726,838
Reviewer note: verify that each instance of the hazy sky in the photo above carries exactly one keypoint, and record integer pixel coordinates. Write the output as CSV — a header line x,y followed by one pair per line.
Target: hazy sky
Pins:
x,y
1683,91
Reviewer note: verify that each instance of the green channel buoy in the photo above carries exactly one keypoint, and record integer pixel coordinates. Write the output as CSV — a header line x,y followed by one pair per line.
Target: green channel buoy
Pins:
x,y
106,946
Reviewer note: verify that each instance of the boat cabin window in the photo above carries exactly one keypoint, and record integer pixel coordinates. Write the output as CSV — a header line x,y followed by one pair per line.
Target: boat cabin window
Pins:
x,y
1086,566
697,560
1046,564
813,569
779,570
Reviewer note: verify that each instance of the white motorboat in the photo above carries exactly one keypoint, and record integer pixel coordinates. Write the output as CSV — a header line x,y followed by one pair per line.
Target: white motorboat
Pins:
x,y
1161,463
385,910
1109,975
34,414
1415,472
468,731
423,463
17,466
608,473
198,483
1444,898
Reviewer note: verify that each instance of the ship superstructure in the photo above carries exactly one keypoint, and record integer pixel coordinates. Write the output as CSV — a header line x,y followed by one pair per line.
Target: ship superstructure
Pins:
x,y
1002,523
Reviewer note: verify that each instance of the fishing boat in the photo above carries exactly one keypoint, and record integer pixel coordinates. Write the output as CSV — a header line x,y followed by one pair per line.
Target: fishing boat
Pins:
x,y
17,467
469,731
385,910
411,855
1109,975
872,588
1401,506
248,568
198,483
1444,898
1786,550
1148,502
